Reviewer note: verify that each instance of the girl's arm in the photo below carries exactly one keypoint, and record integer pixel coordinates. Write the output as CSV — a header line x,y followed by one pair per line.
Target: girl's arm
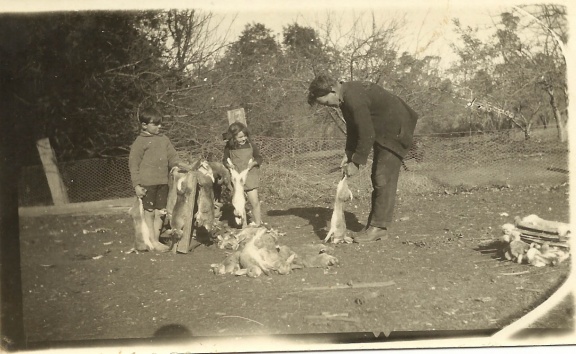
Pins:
x,y
256,154
226,155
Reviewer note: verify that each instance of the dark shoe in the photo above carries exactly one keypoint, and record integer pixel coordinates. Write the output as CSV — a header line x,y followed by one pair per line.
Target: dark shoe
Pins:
x,y
371,234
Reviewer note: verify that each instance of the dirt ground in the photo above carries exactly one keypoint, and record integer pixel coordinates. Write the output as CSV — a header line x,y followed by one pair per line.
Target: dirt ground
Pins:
x,y
437,272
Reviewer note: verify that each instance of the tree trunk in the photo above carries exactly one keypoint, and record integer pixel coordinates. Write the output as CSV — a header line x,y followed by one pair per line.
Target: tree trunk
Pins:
x,y
524,127
544,120
560,123
527,131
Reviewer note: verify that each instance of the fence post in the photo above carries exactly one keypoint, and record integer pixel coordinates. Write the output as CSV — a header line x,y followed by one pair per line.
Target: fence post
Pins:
x,y
48,158
237,115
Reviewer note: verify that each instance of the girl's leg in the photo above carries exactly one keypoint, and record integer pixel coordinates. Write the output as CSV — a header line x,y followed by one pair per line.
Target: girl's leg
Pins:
x,y
255,202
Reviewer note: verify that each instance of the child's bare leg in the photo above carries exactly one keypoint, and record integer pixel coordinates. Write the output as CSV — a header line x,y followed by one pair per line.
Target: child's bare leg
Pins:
x,y
255,202
158,223
149,219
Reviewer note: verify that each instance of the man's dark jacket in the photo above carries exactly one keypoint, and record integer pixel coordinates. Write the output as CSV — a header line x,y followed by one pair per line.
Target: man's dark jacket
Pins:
x,y
374,115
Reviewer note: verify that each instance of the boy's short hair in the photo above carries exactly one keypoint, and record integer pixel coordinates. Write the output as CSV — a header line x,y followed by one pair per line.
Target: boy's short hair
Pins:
x,y
149,115
320,86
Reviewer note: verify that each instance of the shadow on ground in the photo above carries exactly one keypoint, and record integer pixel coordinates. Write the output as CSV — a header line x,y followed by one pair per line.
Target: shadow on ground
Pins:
x,y
173,331
319,218
495,249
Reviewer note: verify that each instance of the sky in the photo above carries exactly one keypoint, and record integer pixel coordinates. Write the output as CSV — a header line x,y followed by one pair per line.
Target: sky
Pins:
x,y
425,21
422,23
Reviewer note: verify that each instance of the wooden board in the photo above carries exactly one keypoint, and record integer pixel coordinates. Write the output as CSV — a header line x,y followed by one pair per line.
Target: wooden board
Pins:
x,y
352,286
48,158
540,228
97,207
532,239
237,115
543,236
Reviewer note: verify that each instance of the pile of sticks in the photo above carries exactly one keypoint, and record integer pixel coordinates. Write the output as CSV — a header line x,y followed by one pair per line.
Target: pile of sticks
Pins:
x,y
540,231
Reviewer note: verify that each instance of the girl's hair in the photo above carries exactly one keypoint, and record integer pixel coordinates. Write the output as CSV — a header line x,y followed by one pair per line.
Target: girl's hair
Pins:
x,y
233,130
149,115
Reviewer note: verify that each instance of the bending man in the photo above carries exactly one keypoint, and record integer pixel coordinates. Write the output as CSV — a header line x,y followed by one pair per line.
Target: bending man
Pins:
x,y
375,119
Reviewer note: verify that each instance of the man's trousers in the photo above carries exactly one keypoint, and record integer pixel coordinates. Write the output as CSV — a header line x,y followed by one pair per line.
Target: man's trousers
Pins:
x,y
385,171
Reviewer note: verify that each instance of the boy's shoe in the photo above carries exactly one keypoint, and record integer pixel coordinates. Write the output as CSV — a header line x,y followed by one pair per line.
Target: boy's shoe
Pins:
x,y
372,233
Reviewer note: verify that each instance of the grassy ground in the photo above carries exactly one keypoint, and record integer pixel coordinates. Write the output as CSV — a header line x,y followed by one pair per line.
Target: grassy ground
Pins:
x,y
443,270
446,272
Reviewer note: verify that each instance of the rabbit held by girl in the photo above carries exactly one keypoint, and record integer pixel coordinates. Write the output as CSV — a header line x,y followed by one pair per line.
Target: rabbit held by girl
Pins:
x,y
240,155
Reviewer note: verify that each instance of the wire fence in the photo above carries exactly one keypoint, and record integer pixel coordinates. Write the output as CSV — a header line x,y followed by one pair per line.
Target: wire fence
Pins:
x,y
307,169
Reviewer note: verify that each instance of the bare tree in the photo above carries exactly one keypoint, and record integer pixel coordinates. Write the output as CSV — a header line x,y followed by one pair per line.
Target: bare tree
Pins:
x,y
551,27
521,65
364,50
194,40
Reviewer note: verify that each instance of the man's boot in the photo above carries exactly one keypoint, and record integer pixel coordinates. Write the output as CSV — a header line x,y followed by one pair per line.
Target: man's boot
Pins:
x,y
372,233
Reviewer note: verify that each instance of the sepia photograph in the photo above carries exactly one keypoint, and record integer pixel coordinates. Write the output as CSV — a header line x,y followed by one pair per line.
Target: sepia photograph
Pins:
x,y
252,176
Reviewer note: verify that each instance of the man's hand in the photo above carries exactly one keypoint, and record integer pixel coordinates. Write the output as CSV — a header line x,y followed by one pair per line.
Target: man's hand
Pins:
x,y
344,161
140,191
350,169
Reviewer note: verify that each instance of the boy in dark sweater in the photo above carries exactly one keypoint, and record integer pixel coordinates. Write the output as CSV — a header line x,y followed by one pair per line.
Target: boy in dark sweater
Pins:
x,y
375,119
152,155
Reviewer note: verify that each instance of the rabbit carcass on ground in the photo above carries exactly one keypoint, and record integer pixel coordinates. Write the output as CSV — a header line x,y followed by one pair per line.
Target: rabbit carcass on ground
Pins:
x,y
255,251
